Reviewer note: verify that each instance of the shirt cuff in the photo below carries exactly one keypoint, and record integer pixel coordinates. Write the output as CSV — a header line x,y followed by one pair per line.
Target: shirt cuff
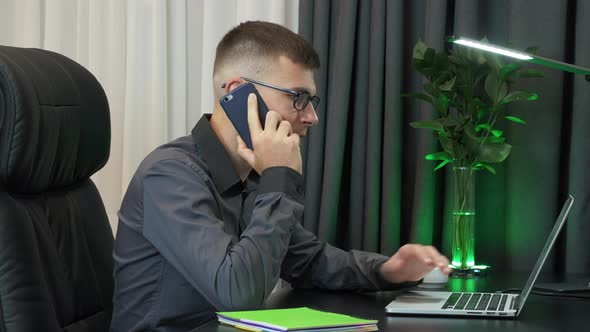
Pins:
x,y
281,179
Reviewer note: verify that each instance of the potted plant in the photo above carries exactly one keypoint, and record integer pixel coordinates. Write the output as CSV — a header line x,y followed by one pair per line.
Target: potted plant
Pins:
x,y
469,91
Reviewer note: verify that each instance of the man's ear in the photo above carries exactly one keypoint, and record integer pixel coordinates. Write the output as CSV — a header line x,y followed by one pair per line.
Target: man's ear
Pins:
x,y
232,83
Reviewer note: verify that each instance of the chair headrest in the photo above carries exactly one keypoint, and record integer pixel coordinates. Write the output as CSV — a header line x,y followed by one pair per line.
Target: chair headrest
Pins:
x,y
54,121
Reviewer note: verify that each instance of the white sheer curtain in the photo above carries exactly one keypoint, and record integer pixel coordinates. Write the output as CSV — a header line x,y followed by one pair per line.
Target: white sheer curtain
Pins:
x,y
154,59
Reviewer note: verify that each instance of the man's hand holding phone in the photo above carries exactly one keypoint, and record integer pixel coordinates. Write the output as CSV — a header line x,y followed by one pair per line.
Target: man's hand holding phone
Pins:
x,y
275,145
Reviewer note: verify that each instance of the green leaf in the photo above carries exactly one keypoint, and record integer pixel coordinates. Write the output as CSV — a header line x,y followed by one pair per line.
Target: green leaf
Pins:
x,y
509,69
458,60
461,51
494,139
482,112
430,89
450,121
446,143
448,85
491,86
497,133
471,147
498,108
419,65
430,72
532,49
441,155
519,95
477,102
514,119
482,126
479,57
441,165
419,95
441,61
443,104
429,56
470,131
529,73
485,166
443,76
466,118
494,152
495,88
419,50
434,125
493,61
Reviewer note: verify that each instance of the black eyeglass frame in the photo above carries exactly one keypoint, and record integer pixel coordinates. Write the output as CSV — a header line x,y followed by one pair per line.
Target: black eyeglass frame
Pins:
x,y
315,100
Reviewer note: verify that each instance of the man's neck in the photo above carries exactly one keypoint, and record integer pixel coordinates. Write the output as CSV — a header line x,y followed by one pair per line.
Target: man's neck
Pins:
x,y
227,134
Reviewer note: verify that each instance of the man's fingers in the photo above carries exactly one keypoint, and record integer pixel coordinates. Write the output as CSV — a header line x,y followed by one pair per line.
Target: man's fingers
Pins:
x,y
425,256
272,121
296,138
285,128
245,152
444,266
434,254
253,119
412,262
438,259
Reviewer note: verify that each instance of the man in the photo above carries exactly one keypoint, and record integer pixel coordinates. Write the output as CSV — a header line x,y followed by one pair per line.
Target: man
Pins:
x,y
208,224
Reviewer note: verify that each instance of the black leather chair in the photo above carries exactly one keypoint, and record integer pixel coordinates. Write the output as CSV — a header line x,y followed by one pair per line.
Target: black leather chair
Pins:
x,y
55,238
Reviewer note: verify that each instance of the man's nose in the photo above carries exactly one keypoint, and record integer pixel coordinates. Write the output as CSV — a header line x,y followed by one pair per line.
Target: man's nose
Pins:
x,y
310,116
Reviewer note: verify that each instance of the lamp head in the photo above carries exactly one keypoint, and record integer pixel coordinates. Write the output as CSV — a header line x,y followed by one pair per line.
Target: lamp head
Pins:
x,y
521,56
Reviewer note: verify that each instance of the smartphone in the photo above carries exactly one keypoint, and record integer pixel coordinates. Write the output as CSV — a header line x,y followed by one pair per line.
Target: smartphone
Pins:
x,y
235,105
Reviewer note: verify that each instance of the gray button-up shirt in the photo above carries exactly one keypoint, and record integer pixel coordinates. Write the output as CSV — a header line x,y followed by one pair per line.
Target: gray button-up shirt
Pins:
x,y
193,239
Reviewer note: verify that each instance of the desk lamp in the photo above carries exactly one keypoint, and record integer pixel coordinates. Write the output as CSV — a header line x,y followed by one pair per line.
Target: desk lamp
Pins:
x,y
522,56
574,286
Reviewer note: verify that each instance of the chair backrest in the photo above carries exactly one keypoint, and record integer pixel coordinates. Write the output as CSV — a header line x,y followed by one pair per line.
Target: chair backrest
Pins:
x,y
55,238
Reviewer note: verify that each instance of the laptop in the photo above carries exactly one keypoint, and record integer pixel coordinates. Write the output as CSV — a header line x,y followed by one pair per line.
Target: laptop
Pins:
x,y
476,304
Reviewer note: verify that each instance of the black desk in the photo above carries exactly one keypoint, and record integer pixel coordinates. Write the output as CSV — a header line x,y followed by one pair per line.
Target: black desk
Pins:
x,y
541,313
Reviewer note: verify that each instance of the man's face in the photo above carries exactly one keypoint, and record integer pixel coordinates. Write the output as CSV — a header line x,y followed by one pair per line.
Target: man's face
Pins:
x,y
292,76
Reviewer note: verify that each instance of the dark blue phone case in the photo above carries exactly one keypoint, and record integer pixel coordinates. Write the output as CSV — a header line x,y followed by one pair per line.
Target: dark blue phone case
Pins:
x,y
235,105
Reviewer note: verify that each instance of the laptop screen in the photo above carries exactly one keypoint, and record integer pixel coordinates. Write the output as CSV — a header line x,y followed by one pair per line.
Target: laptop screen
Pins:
x,y
548,245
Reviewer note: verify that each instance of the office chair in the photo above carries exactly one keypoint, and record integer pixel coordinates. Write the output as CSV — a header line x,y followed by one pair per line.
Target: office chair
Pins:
x,y
55,238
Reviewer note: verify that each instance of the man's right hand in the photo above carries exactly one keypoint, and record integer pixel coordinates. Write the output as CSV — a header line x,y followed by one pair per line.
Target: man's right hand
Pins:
x,y
275,145
412,262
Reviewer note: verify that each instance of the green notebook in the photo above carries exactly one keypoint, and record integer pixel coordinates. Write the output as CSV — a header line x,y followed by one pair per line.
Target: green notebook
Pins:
x,y
295,319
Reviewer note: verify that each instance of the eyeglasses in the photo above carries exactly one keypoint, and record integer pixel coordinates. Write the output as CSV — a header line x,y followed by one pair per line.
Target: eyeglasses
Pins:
x,y
300,99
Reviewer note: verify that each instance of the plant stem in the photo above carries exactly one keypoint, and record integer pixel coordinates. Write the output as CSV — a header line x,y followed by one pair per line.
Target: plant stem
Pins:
x,y
491,120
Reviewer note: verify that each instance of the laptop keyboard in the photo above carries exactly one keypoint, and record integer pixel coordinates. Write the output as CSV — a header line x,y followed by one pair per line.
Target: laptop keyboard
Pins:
x,y
476,301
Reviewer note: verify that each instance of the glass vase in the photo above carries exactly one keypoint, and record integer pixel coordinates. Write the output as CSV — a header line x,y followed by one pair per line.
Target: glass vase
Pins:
x,y
463,214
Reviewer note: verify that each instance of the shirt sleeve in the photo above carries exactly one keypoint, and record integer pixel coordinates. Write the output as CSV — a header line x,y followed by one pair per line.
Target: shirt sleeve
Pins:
x,y
179,220
311,263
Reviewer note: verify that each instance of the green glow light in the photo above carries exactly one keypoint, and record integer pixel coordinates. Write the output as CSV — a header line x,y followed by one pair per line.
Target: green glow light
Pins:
x,y
463,213
457,263
480,267
462,285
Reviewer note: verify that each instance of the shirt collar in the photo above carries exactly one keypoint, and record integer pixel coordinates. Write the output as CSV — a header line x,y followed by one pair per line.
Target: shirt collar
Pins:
x,y
221,168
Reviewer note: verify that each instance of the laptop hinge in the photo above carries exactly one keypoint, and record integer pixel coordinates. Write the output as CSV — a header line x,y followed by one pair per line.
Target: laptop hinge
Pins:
x,y
516,303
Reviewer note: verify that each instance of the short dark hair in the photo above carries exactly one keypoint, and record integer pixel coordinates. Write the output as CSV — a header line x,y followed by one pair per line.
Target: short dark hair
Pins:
x,y
265,40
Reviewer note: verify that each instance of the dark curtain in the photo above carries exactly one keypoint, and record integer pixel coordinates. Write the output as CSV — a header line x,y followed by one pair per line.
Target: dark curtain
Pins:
x,y
368,185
